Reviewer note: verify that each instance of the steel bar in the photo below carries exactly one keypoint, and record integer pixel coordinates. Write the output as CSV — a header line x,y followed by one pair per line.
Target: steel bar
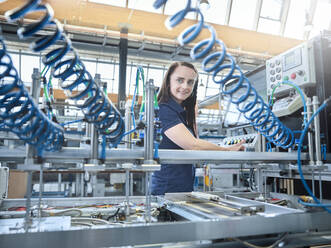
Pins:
x,y
153,233
79,155
317,132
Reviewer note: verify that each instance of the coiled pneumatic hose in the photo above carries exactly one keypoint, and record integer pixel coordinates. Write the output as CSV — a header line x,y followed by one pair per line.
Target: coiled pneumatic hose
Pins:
x,y
74,78
18,112
234,83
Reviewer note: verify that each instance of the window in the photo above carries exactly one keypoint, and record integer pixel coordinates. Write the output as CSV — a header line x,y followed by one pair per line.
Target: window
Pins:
x,y
105,70
29,62
322,18
118,3
268,26
173,6
296,19
210,91
90,66
269,21
16,60
130,79
216,12
242,14
115,79
202,84
156,74
145,5
271,9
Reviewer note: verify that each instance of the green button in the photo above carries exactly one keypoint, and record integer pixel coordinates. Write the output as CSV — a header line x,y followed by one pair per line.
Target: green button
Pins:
x,y
305,78
286,78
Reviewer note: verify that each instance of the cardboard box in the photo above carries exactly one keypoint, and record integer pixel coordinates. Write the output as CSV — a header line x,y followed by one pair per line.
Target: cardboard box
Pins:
x,y
17,184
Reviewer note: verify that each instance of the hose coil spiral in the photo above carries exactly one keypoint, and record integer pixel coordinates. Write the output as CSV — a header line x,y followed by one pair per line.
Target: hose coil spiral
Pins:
x,y
19,113
234,83
74,78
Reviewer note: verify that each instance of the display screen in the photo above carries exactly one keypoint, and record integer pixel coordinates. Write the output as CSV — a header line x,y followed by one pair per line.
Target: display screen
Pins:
x,y
292,59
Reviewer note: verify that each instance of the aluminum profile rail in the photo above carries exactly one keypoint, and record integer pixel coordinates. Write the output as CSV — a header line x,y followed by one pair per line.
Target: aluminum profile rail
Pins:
x,y
166,156
156,233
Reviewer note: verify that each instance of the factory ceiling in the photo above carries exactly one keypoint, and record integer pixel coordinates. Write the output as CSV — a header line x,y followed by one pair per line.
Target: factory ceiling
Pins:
x,y
148,27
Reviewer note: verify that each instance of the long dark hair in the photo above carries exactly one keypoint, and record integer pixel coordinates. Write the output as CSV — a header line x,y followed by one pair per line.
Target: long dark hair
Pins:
x,y
189,103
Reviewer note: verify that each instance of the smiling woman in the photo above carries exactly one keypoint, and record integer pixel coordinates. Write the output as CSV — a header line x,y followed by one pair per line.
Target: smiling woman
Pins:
x,y
177,101
182,82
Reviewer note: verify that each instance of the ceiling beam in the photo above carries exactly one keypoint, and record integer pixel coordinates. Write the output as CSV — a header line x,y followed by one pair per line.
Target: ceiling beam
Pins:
x,y
84,13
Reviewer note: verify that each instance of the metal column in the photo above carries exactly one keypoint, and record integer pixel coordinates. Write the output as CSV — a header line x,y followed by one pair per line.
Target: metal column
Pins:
x,y
123,53
30,150
128,145
149,127
317,132
148,145
128,124
35,93
94,145
310,135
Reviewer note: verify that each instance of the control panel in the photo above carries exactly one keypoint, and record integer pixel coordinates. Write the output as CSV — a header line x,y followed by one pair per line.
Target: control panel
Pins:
x,y
251,141
295,65
287,105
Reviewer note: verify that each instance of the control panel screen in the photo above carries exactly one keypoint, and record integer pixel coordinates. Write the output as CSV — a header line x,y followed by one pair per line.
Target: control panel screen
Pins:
x,y
292,59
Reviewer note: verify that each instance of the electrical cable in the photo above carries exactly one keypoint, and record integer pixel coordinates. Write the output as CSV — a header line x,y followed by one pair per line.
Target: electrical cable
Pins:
x,y
20,114
48,92
67,212
92,220
309,204
114,215
68,67
71,122
234,84
302,136
115,144
139,75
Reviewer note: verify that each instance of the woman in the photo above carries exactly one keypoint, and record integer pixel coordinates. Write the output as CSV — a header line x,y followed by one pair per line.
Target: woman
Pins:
x,y
177,102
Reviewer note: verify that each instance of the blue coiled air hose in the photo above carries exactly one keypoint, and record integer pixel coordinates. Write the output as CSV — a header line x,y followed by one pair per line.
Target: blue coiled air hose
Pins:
x,y
70,69
18,112
302,136
234,84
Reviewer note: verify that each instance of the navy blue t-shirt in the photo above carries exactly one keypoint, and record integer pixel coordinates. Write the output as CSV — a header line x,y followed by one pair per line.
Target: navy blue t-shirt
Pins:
x,y
172,177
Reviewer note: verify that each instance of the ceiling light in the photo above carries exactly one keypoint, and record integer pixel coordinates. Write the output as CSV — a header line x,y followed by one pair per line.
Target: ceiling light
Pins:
x,y
204,4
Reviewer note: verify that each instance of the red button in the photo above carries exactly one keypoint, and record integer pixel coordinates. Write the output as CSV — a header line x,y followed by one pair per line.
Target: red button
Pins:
x,y
293,75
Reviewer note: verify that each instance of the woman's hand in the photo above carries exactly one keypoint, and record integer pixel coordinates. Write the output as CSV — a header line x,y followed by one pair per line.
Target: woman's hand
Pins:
x,y
237,147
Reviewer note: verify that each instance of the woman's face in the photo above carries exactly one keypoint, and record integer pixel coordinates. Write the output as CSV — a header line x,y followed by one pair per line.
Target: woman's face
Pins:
x,y
182,83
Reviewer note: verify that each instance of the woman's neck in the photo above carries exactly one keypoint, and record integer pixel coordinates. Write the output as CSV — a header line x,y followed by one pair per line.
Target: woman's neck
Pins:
x,y
177,101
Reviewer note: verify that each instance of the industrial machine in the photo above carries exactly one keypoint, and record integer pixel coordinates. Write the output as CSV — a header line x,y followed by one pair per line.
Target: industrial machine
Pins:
x,y
306,66
103,178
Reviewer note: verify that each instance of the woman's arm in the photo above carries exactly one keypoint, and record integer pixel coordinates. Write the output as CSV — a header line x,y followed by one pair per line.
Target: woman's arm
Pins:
x,y
182,137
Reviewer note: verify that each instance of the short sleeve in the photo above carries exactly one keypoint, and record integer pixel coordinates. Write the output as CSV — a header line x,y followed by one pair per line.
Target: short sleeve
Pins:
x,y
168,117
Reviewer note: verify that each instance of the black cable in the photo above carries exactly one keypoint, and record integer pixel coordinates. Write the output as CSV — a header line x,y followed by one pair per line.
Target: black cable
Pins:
x,y
114,215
